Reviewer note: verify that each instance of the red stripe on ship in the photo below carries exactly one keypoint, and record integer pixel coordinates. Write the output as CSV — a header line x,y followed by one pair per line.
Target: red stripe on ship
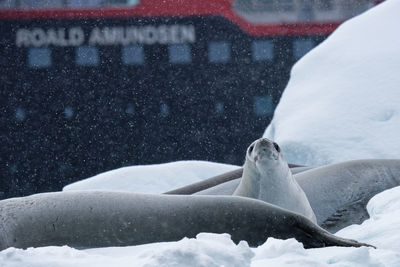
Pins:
x,y
175,8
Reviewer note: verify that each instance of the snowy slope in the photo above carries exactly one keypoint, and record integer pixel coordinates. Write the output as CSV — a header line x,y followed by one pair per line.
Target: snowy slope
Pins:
x,y
343,98
154,179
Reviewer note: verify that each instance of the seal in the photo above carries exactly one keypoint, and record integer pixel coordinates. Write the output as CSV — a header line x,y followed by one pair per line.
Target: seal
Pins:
x,y
207,183
267,177
338,193
88,219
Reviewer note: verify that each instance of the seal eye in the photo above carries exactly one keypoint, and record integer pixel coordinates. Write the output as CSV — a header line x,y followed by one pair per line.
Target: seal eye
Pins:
x,y
251,149
277,147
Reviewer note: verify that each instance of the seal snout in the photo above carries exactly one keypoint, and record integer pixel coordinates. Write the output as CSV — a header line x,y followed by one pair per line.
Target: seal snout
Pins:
x,y
255,159
264,141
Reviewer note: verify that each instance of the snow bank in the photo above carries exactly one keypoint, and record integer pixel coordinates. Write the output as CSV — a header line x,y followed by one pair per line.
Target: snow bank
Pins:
x,y
343,98
154,179
382,230
209,250
290,253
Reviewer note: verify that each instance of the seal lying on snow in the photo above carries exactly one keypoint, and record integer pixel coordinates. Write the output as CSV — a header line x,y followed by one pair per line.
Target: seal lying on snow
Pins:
x,y
337,193
87,219
267,177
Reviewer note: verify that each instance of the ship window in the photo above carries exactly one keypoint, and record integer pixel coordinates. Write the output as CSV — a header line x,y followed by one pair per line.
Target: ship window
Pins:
x,y
219,52
69,113
39,57
20,114
133,55
87,56
285,5
219,107
324,5
179,53
130,109
164,110
302,47
262,50
263,106
132,2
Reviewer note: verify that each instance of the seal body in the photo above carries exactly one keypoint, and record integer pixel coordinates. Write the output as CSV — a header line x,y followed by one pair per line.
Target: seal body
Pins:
x,y
337,193
267,177
87,219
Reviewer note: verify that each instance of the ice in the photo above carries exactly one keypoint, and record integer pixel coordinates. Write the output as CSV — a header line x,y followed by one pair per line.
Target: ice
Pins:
x,y
157,178
342,100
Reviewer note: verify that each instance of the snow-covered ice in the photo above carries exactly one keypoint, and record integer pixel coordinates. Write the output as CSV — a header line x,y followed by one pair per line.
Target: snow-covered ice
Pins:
x,y
156,179
342,101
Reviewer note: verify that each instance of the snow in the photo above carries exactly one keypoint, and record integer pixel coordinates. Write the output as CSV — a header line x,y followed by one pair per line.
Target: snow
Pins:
x,y
342,100
341,103
156,179
205,250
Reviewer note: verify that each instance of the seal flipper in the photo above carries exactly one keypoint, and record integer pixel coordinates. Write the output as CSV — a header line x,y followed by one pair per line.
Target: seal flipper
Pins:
x,y
313,236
